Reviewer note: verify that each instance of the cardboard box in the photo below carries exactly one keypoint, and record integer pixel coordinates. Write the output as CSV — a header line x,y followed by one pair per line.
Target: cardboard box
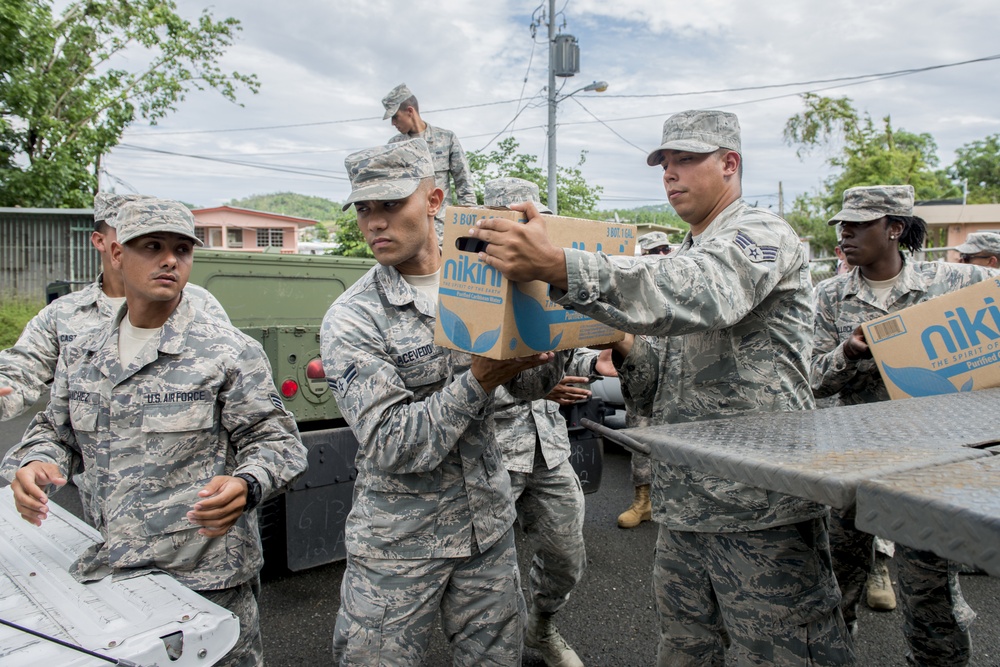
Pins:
x,y
942,346
481,312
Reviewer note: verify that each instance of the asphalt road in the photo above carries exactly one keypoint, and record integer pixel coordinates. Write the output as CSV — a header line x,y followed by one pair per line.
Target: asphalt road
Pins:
x,y
610,620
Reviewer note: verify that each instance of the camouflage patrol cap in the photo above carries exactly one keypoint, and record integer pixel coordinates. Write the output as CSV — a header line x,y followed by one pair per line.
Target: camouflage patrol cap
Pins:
x,y
698,132
981,242
106,205
653,240
872,202
396,96
388,172
507,191
149,215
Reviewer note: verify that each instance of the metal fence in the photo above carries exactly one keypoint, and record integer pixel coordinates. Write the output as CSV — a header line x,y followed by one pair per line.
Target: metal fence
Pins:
x,y
40,246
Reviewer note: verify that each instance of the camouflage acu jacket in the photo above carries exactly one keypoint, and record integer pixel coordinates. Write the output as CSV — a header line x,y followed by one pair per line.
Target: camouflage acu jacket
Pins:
x,y
449,158
520,423
431,481
846,301
201,403
29,365
727,321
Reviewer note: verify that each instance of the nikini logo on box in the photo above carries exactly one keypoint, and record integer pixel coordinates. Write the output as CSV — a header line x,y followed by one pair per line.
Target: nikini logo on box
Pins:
x,y
962,331
471,271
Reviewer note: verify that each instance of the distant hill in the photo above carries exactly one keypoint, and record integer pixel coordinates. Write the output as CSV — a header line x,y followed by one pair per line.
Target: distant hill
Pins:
x,y
290,203
325,210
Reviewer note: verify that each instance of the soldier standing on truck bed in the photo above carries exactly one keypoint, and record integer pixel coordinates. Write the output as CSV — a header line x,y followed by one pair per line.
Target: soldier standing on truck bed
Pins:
x,y
446,151
874,224
28,367
173,415
430,529
738,569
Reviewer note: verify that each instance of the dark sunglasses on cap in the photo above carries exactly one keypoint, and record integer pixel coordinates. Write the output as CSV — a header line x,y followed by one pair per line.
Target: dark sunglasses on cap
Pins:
x,y
966,258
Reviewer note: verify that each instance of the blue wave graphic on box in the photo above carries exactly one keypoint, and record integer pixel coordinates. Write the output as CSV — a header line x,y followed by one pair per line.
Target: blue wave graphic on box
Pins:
x,y
534,322
456,331
917,381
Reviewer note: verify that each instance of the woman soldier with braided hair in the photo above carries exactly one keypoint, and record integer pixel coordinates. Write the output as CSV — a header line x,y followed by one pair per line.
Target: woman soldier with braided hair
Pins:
x,y
875,224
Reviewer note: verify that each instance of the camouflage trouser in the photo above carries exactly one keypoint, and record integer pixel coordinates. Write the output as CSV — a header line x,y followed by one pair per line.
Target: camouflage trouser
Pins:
x,y
388,609
766,597
852,560
550,509
936,616
642,470
242,601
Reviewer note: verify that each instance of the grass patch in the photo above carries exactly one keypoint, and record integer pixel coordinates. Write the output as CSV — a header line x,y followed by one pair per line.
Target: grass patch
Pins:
x,y
14,314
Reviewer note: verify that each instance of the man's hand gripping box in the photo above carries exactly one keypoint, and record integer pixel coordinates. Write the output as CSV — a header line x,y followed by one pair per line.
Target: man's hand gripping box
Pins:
x,y
481,312
942,346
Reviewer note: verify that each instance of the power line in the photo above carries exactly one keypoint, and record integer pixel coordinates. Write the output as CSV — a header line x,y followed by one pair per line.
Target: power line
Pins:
x,y
661,114
876,76
301,171
840,82
860,78
322,122
610,129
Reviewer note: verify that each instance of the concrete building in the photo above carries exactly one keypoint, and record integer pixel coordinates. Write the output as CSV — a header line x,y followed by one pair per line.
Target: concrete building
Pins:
x,y
232,228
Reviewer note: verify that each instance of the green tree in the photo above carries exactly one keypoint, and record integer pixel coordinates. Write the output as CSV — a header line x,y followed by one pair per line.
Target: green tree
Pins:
x,y
978,164
293,204
865,153
70,85
577,198
348,237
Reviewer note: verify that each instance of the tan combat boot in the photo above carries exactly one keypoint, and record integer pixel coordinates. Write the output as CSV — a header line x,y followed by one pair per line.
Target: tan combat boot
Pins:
x,y
640,510
879,589
542,635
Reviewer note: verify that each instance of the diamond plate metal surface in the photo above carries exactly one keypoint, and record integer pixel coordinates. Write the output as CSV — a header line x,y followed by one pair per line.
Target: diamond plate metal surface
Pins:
x,y
952,510
824,454
124,619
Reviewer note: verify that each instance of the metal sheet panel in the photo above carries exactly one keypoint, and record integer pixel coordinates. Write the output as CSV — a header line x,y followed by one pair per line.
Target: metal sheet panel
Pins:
x,y
124,619
952,510
39,246
824,454
318,502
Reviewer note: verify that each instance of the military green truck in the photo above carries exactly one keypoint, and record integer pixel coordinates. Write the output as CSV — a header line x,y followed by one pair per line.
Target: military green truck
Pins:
x,y
279,300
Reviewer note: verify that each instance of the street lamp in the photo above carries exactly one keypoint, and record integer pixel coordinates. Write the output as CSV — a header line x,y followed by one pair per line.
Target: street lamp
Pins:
x,y
554,99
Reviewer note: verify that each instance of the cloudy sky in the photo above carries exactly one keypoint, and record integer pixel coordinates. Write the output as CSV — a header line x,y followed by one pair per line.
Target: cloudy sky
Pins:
x,y
324,67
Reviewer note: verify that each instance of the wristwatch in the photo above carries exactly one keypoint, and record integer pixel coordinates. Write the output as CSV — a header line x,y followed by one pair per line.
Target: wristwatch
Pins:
x,y
253,491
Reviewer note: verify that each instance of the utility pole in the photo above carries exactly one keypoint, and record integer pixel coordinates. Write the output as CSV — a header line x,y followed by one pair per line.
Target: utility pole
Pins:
x,y
553,197
781,201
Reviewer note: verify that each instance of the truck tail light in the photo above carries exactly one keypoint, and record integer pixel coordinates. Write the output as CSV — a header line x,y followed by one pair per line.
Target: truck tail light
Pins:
x,y
314,370
289,388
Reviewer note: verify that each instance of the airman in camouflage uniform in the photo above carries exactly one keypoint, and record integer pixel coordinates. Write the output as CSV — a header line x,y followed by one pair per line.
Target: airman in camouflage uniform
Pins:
x,y
431,525
732,316
449,159
981,249
654,244
874,223
27,367
178,443
547,491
